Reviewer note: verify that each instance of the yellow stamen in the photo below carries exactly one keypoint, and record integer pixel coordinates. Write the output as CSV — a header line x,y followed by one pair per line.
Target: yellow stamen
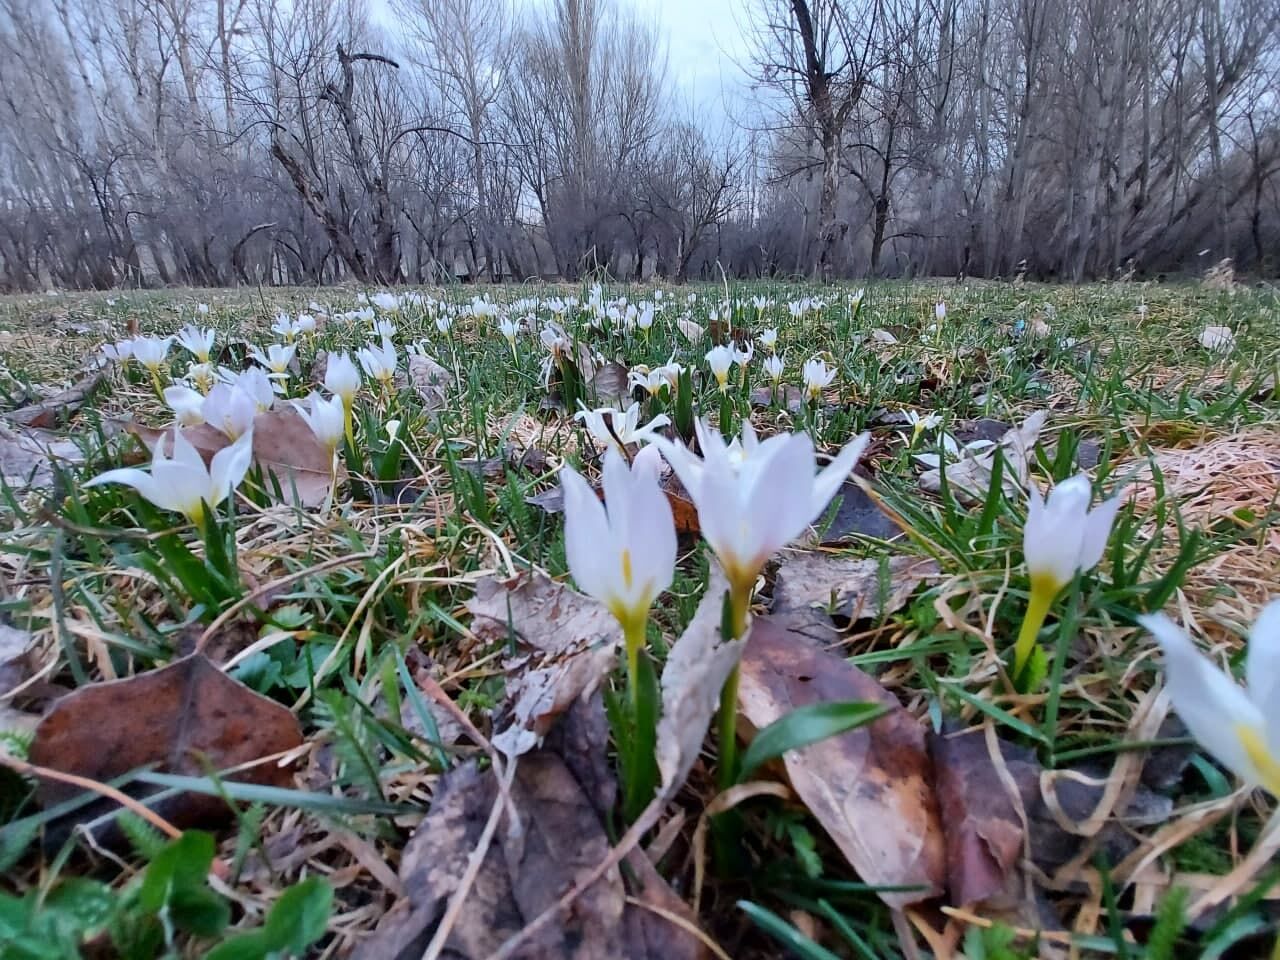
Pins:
x,y
1255,746
626,568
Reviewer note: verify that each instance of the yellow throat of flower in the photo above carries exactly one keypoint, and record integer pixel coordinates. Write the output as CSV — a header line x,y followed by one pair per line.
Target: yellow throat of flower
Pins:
x,y
1255,747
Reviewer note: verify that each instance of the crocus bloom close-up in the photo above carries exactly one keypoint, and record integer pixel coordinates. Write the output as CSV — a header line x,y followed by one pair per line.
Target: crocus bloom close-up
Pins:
x,y
720,359
625,425
325,418
1240,726
151,351
817,377
196,341
379,362
1062,535
187,404
622,551
182,482
230,409
752,505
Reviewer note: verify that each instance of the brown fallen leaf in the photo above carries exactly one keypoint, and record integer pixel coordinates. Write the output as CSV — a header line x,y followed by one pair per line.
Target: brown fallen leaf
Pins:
x,y
984,833
787,396
697,666
870,788
559,840
28,455
431,381
970,479
609,383
60,406
14,666
847,587
283,447
569,644
178,719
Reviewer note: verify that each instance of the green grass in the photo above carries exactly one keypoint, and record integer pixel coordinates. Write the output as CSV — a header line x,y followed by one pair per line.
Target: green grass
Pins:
x,y
369,590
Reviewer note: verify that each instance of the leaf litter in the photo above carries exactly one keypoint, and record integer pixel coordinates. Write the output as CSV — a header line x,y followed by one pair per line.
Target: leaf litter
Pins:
x,y
1009,827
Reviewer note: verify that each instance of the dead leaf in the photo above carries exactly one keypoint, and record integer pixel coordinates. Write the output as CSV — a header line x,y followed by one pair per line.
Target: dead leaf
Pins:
x,y
431,380
14,649
984,833
550,500
178,718
697,667
560,839
692,332
858,514
609,384
970,478
786,395
870,788
883,336
60,406
848,587
27,456
283,447
569,645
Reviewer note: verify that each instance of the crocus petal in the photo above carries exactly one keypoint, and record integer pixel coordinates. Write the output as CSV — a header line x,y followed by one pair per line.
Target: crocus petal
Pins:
x,y
140,480
1211,704
778,510
586,537
1262,663
1097,528
228,468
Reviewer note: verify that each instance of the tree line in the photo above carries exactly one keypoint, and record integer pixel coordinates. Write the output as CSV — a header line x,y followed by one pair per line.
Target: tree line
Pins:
x,y
220,142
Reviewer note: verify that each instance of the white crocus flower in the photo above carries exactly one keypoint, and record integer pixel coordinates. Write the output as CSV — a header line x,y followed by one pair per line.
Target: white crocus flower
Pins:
x,y
202,309
720,359
1217,338
773,365
183,483
385,301
645,319
276,358
229,408
187,404
384,329
625,426
444,323
197,341
817,377
379,362
940,310
753,504
622,551
151,352
743,356
1061,536
119,352
284,328
257,384
652,381
324,417
201,376
920,424
1240,726
342,379
769,339
305,325
509,327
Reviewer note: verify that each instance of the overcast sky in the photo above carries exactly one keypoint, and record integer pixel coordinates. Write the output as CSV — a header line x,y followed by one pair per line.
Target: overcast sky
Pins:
x,y
706,47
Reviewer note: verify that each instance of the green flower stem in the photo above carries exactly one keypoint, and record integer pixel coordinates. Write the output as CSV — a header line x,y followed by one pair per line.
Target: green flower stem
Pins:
x,y
727,723
633,631
348,426
1043,592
